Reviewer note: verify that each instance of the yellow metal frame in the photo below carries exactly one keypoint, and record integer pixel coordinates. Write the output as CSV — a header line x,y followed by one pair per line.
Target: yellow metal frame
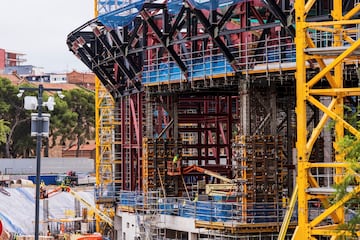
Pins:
x,y
288,214
104,127
333,72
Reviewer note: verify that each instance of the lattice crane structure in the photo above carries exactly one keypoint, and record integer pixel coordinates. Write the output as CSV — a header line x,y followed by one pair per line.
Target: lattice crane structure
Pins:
x,y
344,42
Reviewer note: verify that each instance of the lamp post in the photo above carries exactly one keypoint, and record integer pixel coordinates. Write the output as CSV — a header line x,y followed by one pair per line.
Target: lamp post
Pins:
x,y
39,133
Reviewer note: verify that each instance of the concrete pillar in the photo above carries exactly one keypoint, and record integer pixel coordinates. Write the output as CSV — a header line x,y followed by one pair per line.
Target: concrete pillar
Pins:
x,y
244,98
45,215
193,236
118,228
273,123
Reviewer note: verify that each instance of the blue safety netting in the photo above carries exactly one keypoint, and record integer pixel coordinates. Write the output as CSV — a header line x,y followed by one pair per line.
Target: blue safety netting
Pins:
x,y
213,4
122,16
116,13
174,6
106,6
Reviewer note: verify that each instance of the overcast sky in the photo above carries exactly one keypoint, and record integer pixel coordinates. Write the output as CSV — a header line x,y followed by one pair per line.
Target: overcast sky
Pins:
x,y
38,28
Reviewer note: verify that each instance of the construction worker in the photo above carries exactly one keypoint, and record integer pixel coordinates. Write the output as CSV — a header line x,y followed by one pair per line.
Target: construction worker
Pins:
x,y
176,158
43,193
176,162
196,197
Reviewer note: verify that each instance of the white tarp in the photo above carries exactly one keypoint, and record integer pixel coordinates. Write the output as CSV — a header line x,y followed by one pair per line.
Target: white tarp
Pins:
x,y
17,211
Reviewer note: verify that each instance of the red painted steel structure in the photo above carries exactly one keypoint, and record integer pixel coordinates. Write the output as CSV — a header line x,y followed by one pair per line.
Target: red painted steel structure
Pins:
x,y
192,60
131,133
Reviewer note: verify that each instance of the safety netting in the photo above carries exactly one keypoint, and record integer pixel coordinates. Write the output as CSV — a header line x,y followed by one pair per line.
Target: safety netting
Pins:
x,y
106,6
214,4
175,5
123,15
119,14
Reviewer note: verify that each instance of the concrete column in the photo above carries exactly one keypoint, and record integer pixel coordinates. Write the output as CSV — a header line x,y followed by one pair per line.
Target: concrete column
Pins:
x,y
45,215
244,99
118,228
193,236
273,123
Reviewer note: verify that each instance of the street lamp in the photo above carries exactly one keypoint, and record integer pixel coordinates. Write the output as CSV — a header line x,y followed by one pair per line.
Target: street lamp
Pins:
x,y
37,129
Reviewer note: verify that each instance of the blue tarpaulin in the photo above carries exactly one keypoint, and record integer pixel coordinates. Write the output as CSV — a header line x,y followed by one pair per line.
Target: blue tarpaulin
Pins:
x,y
213,4
122,16
126,12
174,6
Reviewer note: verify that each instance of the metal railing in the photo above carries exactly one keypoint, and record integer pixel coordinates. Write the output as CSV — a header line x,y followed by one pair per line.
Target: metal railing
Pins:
x,y
213,211
211,62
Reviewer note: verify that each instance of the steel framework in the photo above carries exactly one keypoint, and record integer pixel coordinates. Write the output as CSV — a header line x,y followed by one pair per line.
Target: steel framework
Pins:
x,y
331,61
116,55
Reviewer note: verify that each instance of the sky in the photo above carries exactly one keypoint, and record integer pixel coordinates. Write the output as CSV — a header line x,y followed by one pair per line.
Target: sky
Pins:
x,y
39,28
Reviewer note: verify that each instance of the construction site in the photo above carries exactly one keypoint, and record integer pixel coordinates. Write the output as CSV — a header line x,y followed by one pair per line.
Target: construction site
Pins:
x,y
220,119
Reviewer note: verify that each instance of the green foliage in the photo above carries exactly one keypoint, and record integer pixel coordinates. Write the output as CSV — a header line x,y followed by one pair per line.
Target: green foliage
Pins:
x,y
74,117
11,111
72,120
23,144
350,147
4,130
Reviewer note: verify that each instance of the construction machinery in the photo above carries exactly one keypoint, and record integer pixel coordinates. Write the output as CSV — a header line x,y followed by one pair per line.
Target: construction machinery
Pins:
x,y
69,179
227,187
64,188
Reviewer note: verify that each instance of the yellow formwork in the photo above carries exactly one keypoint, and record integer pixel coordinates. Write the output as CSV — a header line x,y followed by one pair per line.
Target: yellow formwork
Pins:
x,y
332,71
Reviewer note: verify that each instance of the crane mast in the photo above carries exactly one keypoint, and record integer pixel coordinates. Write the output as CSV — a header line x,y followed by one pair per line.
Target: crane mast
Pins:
x,y
331,61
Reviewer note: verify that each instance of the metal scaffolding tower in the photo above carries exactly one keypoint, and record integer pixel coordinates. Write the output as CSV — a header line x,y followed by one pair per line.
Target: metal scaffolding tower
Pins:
x,y
106,143
331,57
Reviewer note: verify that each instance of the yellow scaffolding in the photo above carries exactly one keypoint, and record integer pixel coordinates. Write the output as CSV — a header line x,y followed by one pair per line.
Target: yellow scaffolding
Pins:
x,y
330,61
105,155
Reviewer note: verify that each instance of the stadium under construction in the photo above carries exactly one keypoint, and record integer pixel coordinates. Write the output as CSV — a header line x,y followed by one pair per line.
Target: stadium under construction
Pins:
x,y
219,119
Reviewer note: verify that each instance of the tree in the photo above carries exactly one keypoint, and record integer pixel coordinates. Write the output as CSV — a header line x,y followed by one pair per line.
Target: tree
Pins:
x,y
73,119
350,148
4,130
11,111
23,144
63,120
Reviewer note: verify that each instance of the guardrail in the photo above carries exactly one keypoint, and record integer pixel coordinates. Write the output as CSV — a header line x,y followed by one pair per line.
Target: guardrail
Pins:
x,y
212,211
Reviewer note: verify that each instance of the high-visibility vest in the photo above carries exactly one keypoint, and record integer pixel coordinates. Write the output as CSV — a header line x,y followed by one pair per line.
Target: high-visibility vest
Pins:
x,y
175,158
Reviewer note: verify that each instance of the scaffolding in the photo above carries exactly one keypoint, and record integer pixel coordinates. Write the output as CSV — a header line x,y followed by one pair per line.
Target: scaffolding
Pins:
x,y
159,153
106,142
259,161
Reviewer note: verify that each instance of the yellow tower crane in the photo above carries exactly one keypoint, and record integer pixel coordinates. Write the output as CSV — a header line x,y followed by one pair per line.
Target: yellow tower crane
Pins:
x,y
330,60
